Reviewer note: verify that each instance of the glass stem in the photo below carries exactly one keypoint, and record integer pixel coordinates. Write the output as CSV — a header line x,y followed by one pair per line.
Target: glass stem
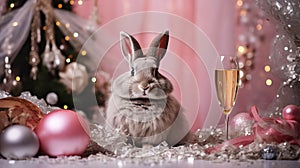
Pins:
x,y
226,126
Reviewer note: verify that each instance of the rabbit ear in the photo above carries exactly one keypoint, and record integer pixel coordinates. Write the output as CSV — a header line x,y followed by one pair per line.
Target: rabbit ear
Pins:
x,y
131,49
159,45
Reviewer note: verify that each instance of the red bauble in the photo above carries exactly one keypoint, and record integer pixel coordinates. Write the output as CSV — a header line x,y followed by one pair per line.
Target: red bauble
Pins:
x,y
63,133
291,112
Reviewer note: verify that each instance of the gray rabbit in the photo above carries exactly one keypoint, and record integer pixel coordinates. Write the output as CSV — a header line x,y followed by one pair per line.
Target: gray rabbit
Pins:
x,y
141,104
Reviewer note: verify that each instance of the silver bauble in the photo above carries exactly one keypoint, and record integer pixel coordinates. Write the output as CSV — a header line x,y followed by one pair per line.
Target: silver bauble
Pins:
x,y
18,142
52,98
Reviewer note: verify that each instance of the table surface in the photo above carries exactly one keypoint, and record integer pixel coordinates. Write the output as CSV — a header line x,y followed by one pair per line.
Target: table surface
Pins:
x,y
177,164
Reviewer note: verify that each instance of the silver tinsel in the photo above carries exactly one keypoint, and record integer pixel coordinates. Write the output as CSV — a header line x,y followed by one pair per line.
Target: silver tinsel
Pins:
x,y
163,154
114,141
27,95
125,153
285,55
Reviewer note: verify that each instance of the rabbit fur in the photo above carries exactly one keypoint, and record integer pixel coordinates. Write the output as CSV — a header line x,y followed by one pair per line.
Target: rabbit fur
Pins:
x,y
141,104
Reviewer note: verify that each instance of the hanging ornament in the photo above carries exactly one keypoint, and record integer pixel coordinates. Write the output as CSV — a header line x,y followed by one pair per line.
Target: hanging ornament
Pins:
x,y
18,142
34,59
48,57
59,59
63,133
9,83
52,98
52,57
7,80
75,77
241,125
53,60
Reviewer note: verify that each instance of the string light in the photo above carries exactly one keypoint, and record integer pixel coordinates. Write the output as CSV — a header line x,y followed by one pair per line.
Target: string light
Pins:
x,y
241,49
75,34
59,6
71,2
258,26
67,38
67,25
68,60
241,74
243,12
80,2
15,24
93,79
83,53
239,3
14,83
12,5
267,68
61,47
18,78
44,27
65,107
268,82
57,23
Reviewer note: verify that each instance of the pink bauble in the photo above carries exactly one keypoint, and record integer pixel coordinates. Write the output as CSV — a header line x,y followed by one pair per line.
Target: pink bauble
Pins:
x,y
63,133
291,112
241,124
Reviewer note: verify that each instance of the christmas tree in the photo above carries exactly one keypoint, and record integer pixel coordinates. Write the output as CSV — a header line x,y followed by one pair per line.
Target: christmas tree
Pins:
x,y
45,62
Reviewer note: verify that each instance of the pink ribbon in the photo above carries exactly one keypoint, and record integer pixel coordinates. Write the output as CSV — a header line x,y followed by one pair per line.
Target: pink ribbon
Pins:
x,y
268,129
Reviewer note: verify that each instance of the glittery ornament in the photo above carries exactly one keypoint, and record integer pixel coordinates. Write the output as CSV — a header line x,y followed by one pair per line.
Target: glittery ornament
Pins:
x,y
268,153
18,142
63,132
241,124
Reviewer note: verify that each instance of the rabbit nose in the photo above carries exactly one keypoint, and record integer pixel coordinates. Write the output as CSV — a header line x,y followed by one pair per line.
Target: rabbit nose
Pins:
x,y
144,86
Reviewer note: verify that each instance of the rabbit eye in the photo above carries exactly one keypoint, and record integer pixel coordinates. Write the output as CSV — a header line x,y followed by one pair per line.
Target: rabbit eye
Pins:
x,y
155,72
132,71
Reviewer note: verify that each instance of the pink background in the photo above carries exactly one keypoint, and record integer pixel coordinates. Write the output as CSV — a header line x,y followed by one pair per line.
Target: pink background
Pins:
x,y
218,21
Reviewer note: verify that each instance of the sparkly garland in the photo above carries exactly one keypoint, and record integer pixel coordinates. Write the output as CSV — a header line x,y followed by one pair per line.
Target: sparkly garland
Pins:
x,y
285,54
115,141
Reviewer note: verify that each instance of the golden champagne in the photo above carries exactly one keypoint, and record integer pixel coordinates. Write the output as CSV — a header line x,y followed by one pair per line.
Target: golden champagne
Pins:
x,y
227,81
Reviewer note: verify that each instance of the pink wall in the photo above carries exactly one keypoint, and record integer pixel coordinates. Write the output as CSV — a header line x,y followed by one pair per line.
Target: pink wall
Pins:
x,y
217,19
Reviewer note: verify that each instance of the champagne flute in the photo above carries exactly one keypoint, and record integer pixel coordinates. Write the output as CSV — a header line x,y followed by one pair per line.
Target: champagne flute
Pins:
x,y
226,82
